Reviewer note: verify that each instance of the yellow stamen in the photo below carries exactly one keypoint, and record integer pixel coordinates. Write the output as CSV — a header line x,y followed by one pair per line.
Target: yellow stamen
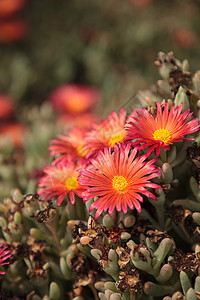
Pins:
x,y
115,139
71,183
163,135
119,183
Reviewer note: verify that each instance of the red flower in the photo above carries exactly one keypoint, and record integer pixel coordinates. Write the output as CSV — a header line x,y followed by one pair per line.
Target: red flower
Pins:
x,y
168,127
61,180
108,133
72,144
13,131
74,99
8,7
12,31
6,107
184,37
4,255
118,179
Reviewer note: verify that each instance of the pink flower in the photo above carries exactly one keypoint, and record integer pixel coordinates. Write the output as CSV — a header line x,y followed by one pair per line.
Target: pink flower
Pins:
x,y
13,131
119,179
74,99
4,255
6,107
72,144
107,133
61,180
168,127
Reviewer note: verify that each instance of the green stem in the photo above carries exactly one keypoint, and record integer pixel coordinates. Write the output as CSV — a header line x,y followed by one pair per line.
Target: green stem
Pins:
x,y
94,291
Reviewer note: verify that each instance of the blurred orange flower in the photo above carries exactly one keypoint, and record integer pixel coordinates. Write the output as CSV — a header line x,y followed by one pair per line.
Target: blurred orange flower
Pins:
x,y
12,31
184,37
6,107
14,131
74,99
8,7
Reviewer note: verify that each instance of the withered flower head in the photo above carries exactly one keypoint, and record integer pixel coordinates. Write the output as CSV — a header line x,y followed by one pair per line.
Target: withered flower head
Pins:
x,y
46,215
129,281
185,262
124,256
179,78
157,236
177,214
137,250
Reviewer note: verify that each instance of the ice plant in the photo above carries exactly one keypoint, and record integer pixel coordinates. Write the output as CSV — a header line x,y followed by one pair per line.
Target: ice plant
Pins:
x,y
6,107
74,99
9,7
4,255
13,131
119,179
70,144
166,128
107,133
61,180
12,30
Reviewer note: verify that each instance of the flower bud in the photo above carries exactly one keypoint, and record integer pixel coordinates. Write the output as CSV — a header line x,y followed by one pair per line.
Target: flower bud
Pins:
x,y
197,284
108,221
185,65
185,282
17,218
17,196
191,295
109,285
64,268
196,82
167,173
131,245
99,285
3,223
181,97
177,296
37,234
54,291
96,253
125,236
165,273
85,240
101,296
108,293
129,221
196,217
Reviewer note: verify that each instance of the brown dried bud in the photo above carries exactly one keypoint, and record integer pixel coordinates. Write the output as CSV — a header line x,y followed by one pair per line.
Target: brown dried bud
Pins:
x,y
124,256
129,281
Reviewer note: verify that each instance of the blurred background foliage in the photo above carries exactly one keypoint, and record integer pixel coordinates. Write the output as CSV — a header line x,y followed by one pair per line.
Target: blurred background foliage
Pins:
x,y
110,44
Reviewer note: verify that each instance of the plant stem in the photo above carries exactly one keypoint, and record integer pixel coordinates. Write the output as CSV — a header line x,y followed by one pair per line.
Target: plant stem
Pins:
x,y
94,291
51,225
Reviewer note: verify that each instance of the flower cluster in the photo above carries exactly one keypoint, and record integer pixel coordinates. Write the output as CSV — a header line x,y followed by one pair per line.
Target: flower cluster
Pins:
x,y
111,163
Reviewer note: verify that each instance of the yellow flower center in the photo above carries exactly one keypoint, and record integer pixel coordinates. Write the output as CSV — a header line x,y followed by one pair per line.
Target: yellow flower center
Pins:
x,y
115,139
80,151
119,183
163,135
71,183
